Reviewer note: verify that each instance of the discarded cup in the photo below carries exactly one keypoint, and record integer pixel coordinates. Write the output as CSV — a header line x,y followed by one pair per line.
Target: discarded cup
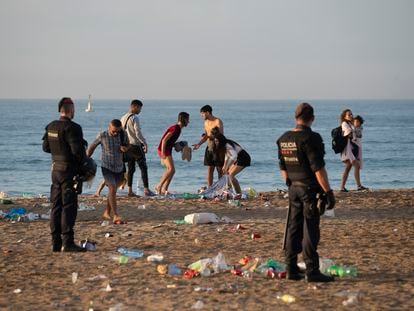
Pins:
x,y
155,258
74,277
255,236
162,269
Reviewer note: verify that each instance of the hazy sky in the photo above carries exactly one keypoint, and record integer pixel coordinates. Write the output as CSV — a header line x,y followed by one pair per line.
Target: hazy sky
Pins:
x,y
207,49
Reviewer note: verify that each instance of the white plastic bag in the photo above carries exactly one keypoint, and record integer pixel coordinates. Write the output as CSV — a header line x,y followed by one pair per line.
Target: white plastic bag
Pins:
x,y
201,218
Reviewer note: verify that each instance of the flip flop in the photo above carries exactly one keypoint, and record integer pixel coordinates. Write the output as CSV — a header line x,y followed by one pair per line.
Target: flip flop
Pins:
x,y
119,222
149,194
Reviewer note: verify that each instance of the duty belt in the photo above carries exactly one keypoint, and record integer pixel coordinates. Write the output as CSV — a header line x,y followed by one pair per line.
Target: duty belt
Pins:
x,y
301,183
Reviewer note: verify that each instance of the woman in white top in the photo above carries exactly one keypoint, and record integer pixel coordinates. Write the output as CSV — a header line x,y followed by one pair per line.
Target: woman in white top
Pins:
x,y
235,160
350,155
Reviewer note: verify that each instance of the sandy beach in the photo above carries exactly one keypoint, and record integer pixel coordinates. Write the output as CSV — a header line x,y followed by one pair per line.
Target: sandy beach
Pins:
x,y
372,231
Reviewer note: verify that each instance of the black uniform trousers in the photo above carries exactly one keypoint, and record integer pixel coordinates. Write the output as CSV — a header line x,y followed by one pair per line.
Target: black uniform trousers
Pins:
x,y
64,207
137,155
303,228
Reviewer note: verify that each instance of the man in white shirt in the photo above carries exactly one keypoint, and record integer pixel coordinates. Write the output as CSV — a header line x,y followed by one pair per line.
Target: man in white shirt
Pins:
x,y
138,149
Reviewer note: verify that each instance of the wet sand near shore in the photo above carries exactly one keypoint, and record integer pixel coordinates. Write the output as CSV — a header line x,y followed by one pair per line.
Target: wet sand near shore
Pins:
x,y
373,231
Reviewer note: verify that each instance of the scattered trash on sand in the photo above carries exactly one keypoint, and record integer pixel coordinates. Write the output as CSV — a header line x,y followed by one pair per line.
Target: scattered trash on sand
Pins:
x,y
83,208
201,218
74,277
286,298
198,305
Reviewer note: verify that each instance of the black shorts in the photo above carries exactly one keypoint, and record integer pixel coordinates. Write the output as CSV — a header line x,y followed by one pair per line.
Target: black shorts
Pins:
x,y
212,159
243,159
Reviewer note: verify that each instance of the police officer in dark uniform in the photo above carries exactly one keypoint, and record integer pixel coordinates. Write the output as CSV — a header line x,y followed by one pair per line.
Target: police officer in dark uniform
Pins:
x,y
64,140
301,161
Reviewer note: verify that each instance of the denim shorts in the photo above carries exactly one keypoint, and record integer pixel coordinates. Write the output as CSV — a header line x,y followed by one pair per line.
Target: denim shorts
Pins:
x,y
112,178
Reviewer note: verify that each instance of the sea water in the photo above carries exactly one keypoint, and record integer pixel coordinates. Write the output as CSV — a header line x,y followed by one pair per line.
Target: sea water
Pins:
x,y
388,139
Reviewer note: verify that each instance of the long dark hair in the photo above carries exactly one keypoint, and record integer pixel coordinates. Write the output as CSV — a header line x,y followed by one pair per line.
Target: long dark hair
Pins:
x,y
342,117
222,140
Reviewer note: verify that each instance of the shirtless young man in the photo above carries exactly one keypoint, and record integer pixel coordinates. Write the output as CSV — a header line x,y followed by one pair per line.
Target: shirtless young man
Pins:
x,y
210,158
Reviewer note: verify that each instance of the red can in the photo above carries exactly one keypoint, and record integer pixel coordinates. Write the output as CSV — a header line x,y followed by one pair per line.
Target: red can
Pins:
x,y
189,274
271,273
245,260
282,275
237,271
256,235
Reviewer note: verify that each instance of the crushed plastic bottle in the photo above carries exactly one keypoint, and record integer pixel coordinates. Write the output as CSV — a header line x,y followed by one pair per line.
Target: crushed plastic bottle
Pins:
x,y
181,222
286,298
189,196
252,192
342,271
235,203
6,201
174,270
324,264
133,253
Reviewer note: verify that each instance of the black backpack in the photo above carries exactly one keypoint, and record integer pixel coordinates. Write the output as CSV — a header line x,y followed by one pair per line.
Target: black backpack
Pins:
x,y
339,141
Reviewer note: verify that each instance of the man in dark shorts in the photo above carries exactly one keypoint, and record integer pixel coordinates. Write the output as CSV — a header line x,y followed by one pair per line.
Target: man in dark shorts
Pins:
x,y
114,143
211,158
301,161
64,140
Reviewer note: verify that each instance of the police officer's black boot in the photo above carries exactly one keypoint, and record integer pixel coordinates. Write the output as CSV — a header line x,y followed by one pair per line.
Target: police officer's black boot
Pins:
x,y
56,243
293,272
70,246
319,277
73,248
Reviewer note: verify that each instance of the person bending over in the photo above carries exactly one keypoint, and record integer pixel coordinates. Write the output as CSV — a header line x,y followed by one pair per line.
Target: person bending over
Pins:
x,y
165,147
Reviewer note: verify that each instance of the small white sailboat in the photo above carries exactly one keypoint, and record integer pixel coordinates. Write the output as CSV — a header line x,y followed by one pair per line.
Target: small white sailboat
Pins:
x,y
89,106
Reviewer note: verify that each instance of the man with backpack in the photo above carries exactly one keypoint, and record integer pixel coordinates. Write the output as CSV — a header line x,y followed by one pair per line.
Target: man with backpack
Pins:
x,y
138,147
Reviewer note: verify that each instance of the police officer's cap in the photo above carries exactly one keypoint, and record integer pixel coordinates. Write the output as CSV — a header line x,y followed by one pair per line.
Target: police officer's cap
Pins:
x,y
64,100
304,111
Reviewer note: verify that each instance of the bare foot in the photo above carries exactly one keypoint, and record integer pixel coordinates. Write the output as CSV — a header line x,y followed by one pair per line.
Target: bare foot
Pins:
x,y
131,194
106,216
157,189
118,220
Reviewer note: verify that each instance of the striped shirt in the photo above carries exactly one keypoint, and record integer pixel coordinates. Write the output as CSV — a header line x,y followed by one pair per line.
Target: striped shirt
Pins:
x,y
111,154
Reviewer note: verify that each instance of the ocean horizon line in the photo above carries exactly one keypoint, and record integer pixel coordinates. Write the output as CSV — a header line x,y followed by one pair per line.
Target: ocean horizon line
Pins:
x,y
209,99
